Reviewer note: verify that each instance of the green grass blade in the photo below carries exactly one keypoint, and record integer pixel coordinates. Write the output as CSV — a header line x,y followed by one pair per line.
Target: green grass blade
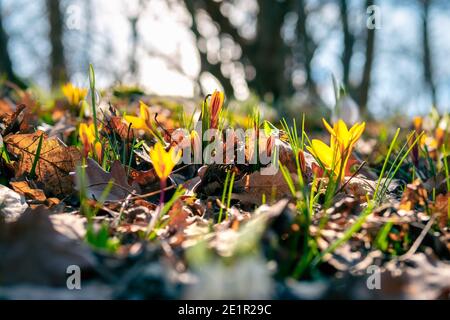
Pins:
x,y
36,157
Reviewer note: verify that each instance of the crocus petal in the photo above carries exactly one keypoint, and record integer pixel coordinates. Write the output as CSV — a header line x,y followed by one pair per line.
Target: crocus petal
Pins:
x,y
323,152
328,127
98,150
136,122
144,112
83,132
342,134
164,161
215,106
356,131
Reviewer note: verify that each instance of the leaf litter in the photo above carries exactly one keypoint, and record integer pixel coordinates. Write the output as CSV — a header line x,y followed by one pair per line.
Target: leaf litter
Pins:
x,y
138,230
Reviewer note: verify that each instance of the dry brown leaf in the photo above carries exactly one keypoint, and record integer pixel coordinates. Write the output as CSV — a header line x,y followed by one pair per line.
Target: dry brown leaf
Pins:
x,y
360,187
98,179
119,127
257,184
143,177
12,204
178,221
24,188
8,116
441,208
56,161
33,251
178,215
414,194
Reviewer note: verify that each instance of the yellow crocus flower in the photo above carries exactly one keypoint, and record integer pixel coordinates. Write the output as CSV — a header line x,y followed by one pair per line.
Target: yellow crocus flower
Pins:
x,y
87,138
335,157
344,137
73,94
142,122
215,107
87,133
164,161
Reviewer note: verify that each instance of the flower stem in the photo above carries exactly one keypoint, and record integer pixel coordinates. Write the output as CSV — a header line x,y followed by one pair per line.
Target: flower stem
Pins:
x,y
163,185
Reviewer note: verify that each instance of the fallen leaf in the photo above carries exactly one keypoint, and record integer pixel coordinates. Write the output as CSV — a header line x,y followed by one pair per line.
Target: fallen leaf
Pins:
x,y
72,226
178,221
256,184
9,117
118,126
98,179
414,194
143,177
12,204
24,188
56,161
440,207
33,251
360,187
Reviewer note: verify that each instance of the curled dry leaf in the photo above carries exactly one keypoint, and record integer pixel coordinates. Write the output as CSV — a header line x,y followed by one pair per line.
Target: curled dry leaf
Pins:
x,y
118,126
72,226
24,188
33,251
440,207
12,204
360,187
178,221
143,178
56,161
257,184
98,179
8,116
414,194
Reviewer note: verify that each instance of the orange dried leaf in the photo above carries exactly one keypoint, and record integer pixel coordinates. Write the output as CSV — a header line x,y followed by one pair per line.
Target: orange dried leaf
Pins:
x,y
56,161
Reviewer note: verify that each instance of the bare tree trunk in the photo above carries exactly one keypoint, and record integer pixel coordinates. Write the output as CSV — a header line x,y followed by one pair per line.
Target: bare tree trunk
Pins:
x,y
134,45
269,53
214,69
307,48
427,63
58,69
364,87
89,17
349,41
6,67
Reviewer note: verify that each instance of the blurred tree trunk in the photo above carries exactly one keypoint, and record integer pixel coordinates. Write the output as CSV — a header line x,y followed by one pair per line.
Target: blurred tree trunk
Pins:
x,y
89,18
6,67
269,53
134,45
307,48
364,87
205,65
57,68
349,41
427,63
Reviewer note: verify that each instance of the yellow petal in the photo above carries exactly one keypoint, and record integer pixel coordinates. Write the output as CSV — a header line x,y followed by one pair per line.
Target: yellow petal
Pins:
x,y
328,127
158,157
98,150
144,112
323,152
356,131
342,132
417,122
136,122
83,132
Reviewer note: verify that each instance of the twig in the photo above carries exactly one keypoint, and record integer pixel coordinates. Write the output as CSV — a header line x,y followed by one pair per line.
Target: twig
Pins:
x,y
418,241
353,175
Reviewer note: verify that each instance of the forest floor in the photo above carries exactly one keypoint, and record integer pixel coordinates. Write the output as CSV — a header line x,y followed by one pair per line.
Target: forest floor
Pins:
x,y
99,199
